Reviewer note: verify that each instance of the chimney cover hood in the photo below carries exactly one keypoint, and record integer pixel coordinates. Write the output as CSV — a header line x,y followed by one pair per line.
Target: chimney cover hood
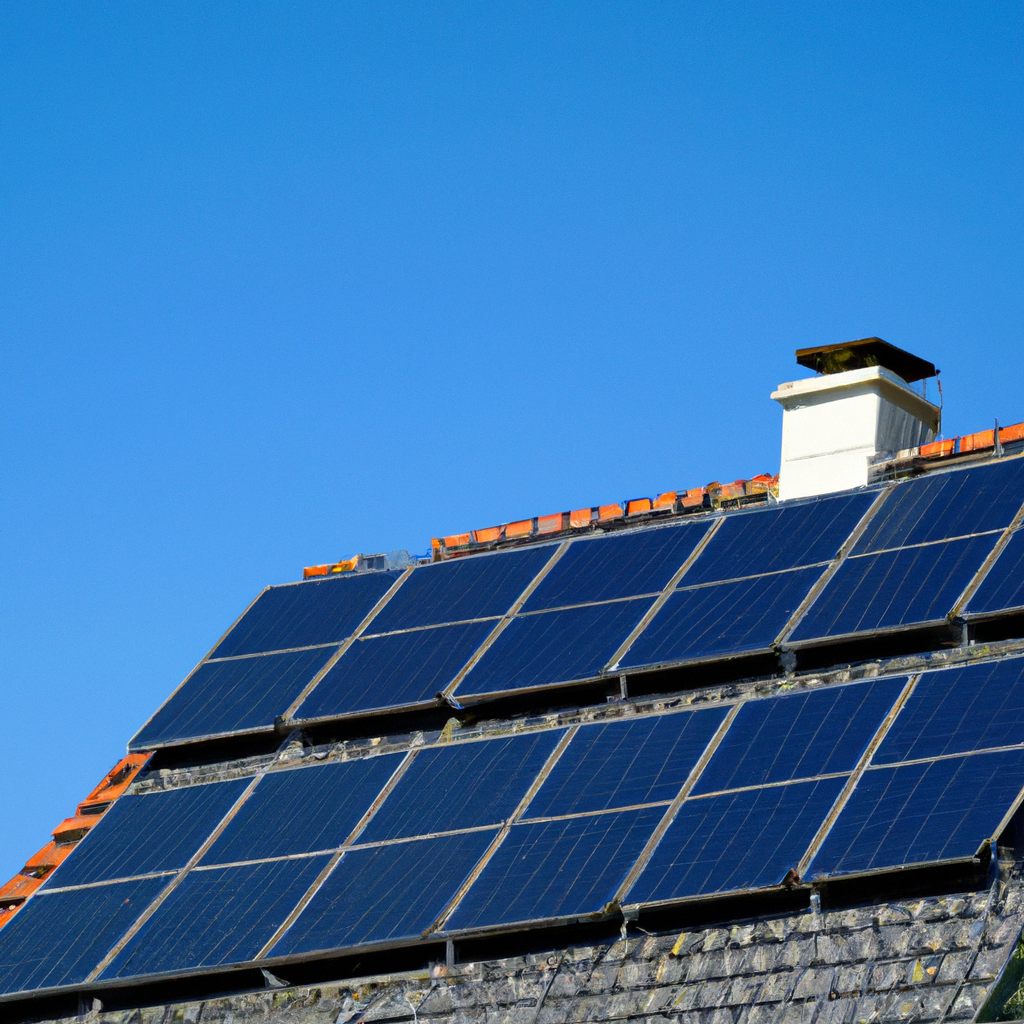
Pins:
x,y
855,355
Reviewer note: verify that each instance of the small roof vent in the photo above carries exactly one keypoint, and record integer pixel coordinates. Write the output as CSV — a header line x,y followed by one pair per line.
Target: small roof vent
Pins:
x,y
855,355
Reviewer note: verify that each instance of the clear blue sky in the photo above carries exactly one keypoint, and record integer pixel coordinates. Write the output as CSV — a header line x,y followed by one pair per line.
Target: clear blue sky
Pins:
x,y
282,283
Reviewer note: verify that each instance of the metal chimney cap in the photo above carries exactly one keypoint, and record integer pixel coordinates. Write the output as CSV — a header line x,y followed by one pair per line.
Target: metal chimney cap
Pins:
x,y
853,355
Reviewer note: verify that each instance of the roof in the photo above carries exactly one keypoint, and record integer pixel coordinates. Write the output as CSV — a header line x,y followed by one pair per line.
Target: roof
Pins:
x,y
620,724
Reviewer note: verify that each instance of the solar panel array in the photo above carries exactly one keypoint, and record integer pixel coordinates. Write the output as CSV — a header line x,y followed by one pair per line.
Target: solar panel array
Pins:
x,y
727,585
546,825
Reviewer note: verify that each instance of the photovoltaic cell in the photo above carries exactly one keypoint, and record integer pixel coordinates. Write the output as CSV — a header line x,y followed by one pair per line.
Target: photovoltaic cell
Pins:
x,y
729,618
143,834
770,539
799,736
554,647
621,565
390,671
622,764
232,696
914,813
570,867
896,588
957,711
220,916
463,785
304,614
944,505
385,893
1003,587
742,840
58,939
303,810
465,588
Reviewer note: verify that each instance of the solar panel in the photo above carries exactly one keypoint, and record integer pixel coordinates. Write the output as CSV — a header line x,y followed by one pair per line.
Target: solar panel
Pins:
x,y
567,868
59,938
465,588
306,614
554,647
464,785
958,710
799,736
943,505
626,763
780,537
394,670
140,835
217,916
1003,587
897,588
232,696
620,565
303,810
924,812
740,840
384,893
724,619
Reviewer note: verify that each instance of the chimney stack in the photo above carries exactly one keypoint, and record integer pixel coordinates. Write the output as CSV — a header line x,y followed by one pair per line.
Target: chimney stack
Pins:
x,y
859,407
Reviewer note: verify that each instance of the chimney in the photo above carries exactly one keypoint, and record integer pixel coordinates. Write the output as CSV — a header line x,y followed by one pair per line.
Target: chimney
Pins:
x,y
859,407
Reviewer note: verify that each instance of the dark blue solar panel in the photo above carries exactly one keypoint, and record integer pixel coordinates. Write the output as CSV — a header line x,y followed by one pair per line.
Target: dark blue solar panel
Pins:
x,y
1003,587
741,840
59,938
462,786
800,735
947,505
783,537
231,696
730,618
554,647
385,893
303,810
389,671
220,916
929,811
621,764
466,588
621,565
304,614
565,868
897,588
143,834
959,710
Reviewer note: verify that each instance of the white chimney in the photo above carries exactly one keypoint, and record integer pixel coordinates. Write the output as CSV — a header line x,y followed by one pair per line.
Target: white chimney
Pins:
x,y
860,407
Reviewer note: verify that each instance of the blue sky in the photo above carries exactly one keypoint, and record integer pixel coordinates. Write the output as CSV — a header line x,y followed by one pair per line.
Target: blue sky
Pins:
x,y
282,283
